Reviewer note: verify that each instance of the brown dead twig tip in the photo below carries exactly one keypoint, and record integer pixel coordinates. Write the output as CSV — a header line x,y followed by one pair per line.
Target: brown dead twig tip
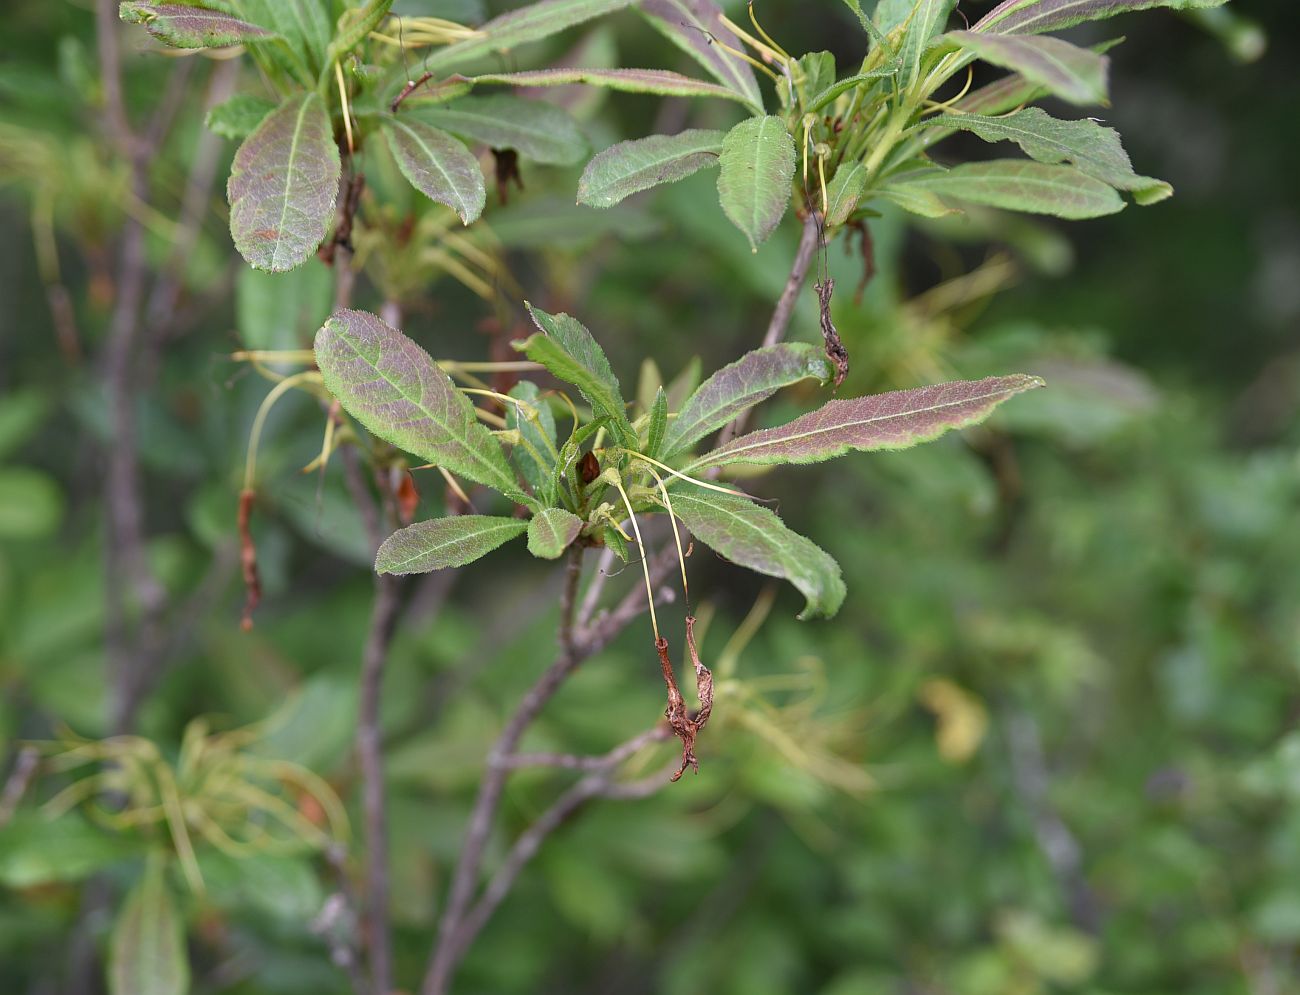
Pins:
x,y
349,203
685,726
248,559
835,350
411,86
868,255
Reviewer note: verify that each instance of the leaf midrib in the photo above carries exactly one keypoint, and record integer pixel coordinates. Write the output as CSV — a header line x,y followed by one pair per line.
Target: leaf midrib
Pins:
x,y
708,457
288,178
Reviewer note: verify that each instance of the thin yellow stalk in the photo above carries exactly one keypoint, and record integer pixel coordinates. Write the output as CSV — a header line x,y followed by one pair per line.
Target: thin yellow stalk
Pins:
x,y
347,111
677,538
454,484
681,476
254,436
645,565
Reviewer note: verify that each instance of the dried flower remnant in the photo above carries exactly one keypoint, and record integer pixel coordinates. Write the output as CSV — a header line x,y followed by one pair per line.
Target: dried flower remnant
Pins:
x,y
686,726
835,350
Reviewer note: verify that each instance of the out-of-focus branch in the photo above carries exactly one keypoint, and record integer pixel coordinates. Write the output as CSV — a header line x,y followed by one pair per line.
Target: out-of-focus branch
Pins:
x,y
576,645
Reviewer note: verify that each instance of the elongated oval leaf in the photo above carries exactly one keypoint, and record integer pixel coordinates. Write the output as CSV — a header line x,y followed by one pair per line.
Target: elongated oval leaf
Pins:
x,y
1087,145
238,117
569,352
1027,17
845,190
284,184
696,27
536,460
656,425
537,130
396,390
754,537
657,81
825,96
438,166
182,26
532,22
1022,186
1071,73
305,24
444,542
896,420
630,167
926,20
757,167
147,949
552,531
735,388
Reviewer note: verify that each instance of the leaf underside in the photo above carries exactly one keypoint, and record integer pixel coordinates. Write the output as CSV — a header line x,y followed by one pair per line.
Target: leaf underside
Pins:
x,y
438,166
535,129
552,531
896,420
630,167
1015,185
757,168
696,27
1036,16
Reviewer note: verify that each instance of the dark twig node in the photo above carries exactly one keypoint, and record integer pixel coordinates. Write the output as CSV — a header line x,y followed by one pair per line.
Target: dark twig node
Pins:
x,y
835,350
248,558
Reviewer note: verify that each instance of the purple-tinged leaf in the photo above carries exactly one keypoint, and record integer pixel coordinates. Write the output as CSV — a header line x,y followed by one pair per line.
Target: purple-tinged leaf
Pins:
x,y
1031,17
1016,185
517,27
1087,145
396,390
552,531
757,168
696,27
896,420
146,953
535,129
630,167
444,542
656,81
182,26
437,165
752,536
736,388
284,184
1071,73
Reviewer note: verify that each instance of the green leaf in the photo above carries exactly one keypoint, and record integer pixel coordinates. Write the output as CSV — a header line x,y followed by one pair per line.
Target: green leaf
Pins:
x,y
551,532
656,424
537,130
1028,17
570,353
284,184
845,190
530,23
818,71
540,436
753,537
36,850
304,23
629,167
896,420
823,98
437,165
927,20
736,388
915,199
31,504
183,26
1087,145
146,952
1022,186
445,542
1071,73
238,117
656,81
355,26
697,28
396,390
757,167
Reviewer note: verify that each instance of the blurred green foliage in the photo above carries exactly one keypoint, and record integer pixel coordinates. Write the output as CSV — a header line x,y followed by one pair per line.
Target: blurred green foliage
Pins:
x,y
1048,745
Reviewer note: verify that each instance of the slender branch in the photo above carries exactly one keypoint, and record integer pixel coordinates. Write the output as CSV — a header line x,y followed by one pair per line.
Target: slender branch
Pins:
x,y
576,645
809,243
20,778
596,785
569,761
